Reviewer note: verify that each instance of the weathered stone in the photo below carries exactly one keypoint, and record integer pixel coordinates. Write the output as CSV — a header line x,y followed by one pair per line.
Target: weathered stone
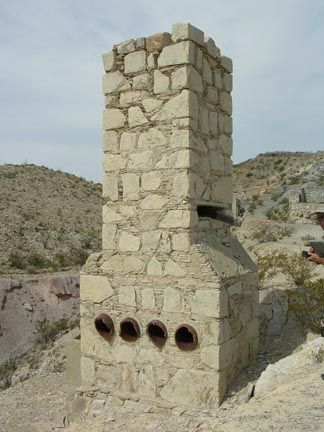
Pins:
x,y
135,62
184,31
148,298
183,105
207,72
173,269
151,180
210,303
180,184
128,141
136,117
109,61
178,219
218,79
146,382
130,184
114,162
204,120
180,53
212,95
161,82
123,353
110,142
218,357
153,202
126,46
228,82
211,47
110,187
187,77
173,300
140,160
193,388
217,162
113,119
140,43
222,190
88,372
226,144
132,264
113,264
150,240
131,97
141,81
225,102
128,242
151,105
154,267
225,123
152,60
108,236
227,64
127,296
151,138
109,215
213,122
180,242
115,82
158,41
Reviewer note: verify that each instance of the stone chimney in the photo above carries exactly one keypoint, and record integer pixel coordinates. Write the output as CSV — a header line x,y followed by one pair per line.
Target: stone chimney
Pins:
x,y
169,307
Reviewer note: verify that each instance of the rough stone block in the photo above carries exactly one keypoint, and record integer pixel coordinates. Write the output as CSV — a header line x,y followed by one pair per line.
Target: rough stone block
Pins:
x,y
151,181
225,123
135,62
114,162
227,64
148,298
181,138
207,72
225,101
146,382
150,105
114,82
158,41
108,236
211,48
126,46
130,184
128,141
187,77
140,43
127,296
128,242
113,119
222,190
184,31
217,162
183,105
141,81
154,267
204,120
152,61
136,117
218,80
218,357
95,288
109,215
213,122
151,138
88,371
110,142
210,303
110,187
150,240
173,300
177,219
153,202
132,264
180,185
109,61
228,82
180,242
193,388
174,269
131,97
212,95
140,160
180,53
226,144
161,82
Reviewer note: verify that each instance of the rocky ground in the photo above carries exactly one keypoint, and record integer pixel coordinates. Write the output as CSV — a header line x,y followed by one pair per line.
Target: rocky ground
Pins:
x,y
36,402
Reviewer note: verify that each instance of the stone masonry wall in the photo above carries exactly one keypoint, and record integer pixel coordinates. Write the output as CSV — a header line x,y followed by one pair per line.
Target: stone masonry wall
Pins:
x,y
167,145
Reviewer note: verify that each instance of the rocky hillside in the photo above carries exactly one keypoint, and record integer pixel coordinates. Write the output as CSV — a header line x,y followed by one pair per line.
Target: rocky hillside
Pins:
x,y
49,220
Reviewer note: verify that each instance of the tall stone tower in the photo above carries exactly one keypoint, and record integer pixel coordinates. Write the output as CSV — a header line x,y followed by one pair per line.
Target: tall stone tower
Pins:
x,y
169,307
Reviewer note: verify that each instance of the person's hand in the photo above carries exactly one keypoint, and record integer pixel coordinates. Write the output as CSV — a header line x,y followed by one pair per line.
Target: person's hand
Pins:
x,y
313,257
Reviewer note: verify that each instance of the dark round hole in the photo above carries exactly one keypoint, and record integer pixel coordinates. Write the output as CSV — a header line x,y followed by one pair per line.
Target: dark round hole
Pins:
x,y
129,330
186,337
157,332
104,325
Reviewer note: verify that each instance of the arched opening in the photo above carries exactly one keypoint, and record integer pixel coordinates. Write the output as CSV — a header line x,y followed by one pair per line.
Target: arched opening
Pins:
x,y
157,332
104,326
186,337
129,330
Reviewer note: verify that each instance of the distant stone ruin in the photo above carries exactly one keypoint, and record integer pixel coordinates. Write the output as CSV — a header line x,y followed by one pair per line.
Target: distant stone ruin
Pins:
x,y
303,202
169,308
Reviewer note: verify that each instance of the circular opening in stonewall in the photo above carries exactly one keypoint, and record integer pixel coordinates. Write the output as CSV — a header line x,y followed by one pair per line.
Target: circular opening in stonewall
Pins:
x,y
186,337
129,330
104,326
157,333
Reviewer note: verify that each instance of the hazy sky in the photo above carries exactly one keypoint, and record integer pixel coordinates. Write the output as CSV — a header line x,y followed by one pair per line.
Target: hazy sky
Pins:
x,y
50,74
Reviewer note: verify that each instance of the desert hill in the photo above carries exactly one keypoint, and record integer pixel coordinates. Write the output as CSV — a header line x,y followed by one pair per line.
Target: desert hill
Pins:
x,y
49,220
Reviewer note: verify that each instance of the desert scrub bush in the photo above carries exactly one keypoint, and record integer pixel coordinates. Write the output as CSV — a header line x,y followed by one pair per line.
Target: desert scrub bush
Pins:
x,y
305,239
49,330
307,302
297,269
7,369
